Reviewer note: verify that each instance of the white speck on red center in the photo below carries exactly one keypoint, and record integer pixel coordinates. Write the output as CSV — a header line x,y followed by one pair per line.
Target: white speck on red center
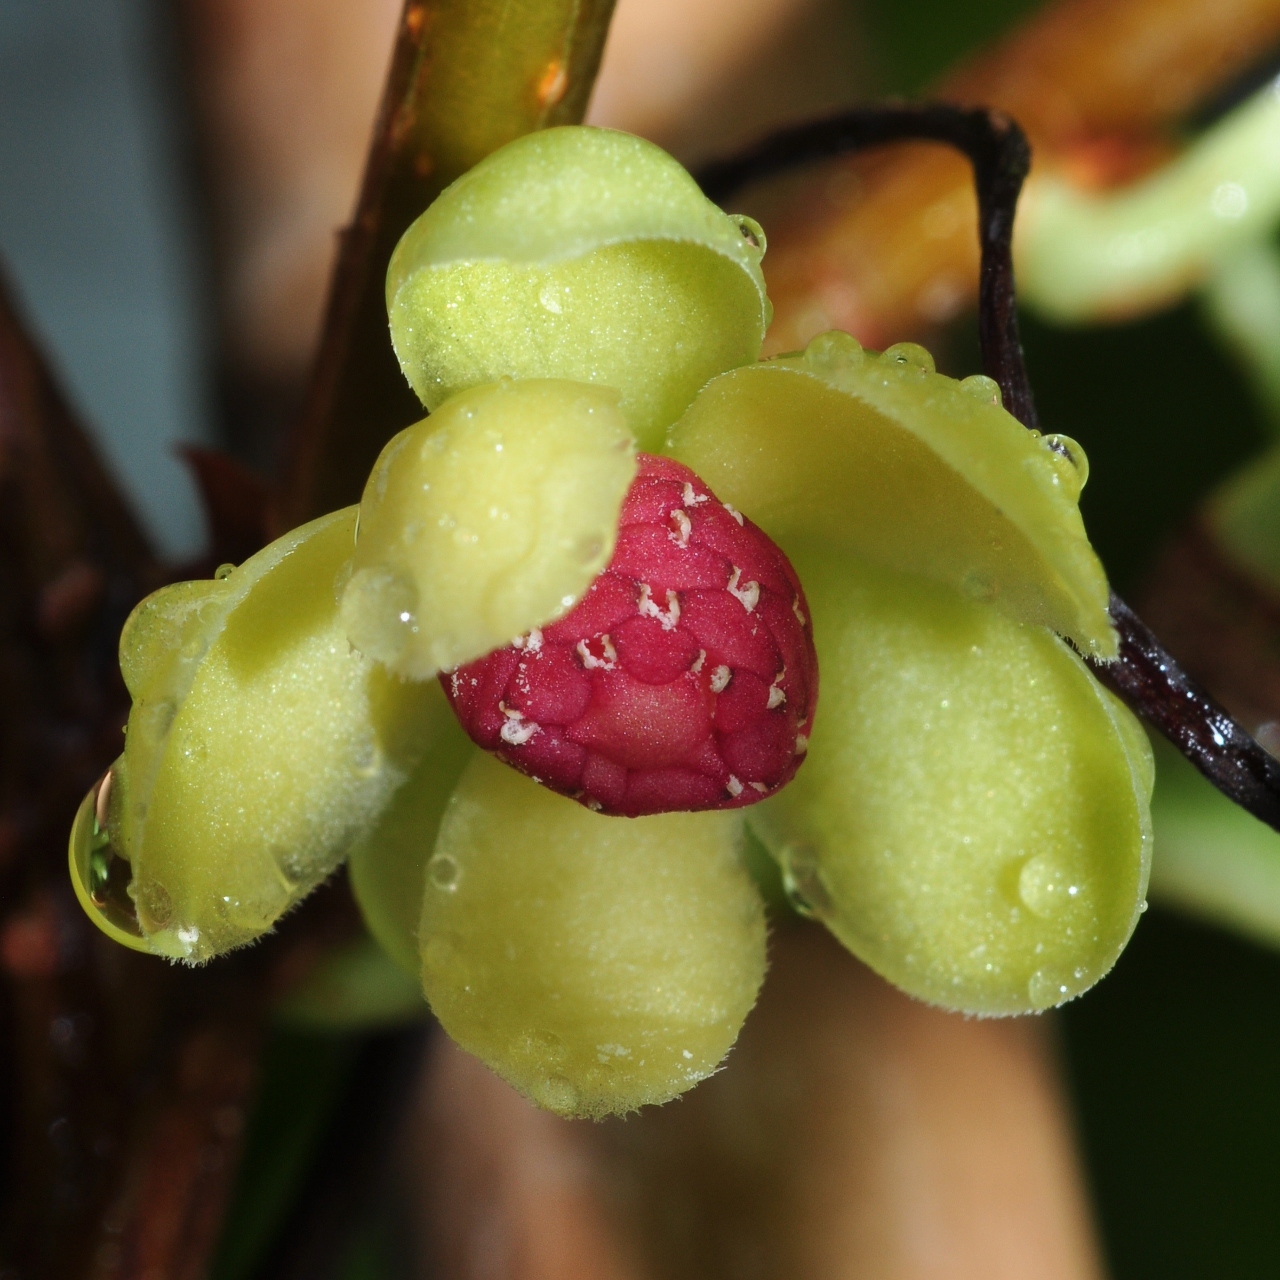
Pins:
x,y
685,678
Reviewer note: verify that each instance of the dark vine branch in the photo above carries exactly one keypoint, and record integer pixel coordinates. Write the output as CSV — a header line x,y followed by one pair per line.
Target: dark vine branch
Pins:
x,y
1144,675
1151,682
998,150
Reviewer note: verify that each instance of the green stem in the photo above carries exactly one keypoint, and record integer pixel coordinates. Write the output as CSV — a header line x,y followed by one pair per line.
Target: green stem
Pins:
x,y
1243,515
1242,305
1085,257
1211,858
466,77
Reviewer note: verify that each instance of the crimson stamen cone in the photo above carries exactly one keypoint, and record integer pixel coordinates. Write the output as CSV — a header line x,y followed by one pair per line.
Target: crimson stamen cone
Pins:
x,y
686,677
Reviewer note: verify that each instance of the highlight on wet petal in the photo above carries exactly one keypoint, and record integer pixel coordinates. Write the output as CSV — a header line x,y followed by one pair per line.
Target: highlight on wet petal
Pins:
x,y
578,253
898,465
974,818
258,746
597,964
485,520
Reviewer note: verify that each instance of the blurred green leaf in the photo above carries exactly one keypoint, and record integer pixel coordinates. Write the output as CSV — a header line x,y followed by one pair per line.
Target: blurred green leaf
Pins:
x,y
302,1081
1211,857
918,42
356,987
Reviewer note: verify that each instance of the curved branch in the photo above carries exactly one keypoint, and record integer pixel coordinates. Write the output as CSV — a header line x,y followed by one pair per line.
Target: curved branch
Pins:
x,y
998,150
1151,682
1145,675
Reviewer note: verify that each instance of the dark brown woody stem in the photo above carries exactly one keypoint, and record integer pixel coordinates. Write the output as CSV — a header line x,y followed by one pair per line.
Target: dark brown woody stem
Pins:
x,y
1000,155
1144,675
1151,682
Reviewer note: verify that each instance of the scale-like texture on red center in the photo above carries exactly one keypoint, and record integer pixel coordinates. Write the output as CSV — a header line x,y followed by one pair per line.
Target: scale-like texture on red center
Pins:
x,y
685,678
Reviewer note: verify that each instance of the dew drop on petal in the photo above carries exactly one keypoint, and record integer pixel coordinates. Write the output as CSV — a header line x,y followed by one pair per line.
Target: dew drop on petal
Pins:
x,y
1043,886
379,608
1044,991
802,881
543,1045
102,874
980,387
910,355
443,872
1070,462
834,350
752,233
556,1094
155,905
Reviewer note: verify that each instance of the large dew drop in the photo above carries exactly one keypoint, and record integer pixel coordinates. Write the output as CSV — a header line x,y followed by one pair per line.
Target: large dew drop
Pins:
x,y
100,874
1045,886
259,746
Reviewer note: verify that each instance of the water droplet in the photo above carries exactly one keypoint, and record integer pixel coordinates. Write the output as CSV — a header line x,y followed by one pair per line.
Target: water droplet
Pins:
x,y
978,584
1044,991
549,297
1070,462
1142,906
224,571
103,876
1044,886
259,894
752,233
102,800
379,608
802,881
544,1046
982,388
910,355
444,872
557,1094
157,717
155,906
834,350
293,865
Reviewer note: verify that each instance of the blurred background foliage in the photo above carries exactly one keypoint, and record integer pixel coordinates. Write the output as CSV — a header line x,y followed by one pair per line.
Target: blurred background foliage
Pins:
x,y
1173,1060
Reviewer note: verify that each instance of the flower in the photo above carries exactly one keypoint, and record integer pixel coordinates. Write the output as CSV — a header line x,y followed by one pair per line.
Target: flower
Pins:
x,y
972,814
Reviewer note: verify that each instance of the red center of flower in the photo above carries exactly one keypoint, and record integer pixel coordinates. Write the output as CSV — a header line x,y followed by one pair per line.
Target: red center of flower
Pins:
x,y
685,678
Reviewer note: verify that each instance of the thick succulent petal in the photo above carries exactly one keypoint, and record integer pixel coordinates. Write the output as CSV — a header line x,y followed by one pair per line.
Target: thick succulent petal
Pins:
x,y
903,467
388,863
258,746
595,963
973,820
583,254
487,519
